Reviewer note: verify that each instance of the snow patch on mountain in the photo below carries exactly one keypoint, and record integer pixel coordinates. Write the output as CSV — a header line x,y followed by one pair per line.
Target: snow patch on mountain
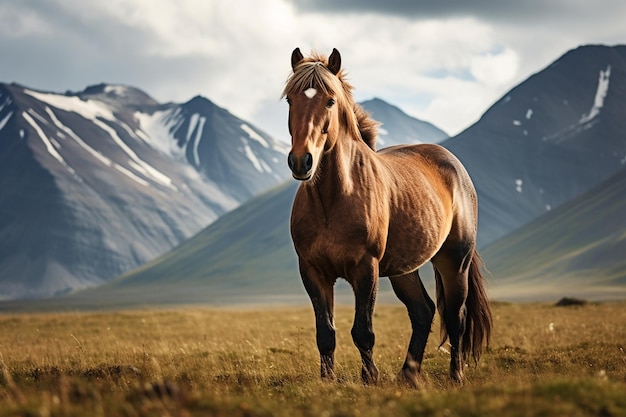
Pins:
x,y
89,109
106,161
529,114
118,90
598,102
157,130
251,156
195,121
254,135
5,120
46,141
134,161
587,120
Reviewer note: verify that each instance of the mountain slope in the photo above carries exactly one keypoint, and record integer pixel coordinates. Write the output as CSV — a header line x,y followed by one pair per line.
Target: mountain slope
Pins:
x,y
95,183
548,140
397,127
513,141
244,256
577,249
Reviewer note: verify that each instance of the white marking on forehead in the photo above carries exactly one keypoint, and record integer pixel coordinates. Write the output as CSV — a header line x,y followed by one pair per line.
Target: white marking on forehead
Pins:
x,y
310,93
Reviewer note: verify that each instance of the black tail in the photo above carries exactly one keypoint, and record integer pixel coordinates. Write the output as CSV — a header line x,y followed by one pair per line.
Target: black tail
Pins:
x,y
478,321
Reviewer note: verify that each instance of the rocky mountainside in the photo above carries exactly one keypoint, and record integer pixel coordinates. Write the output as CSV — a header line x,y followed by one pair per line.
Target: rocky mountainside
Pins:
x,y
98,182
548,140
245,256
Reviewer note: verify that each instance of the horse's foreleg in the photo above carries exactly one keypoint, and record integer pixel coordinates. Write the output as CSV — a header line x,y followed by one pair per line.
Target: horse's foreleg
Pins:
x,y
364,280
321,293
410,290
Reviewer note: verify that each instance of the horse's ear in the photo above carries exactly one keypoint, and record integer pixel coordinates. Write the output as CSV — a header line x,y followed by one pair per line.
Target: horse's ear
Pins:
x,y
296,57
334,61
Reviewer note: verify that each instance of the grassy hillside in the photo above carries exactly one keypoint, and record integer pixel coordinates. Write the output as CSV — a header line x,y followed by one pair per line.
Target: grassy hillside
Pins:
x,y
577,249
246,257
544,360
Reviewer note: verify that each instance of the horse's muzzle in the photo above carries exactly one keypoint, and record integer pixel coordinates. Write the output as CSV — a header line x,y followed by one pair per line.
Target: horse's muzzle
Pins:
x,y
300,167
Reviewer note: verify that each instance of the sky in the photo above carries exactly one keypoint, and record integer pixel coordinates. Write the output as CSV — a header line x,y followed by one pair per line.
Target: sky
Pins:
x,y
445,62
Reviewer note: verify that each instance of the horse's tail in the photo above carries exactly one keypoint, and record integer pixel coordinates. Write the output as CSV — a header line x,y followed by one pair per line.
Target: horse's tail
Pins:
x,y
478,321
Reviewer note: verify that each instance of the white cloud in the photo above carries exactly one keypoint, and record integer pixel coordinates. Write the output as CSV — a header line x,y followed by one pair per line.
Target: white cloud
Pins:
x,y
446,68
15,22
495,68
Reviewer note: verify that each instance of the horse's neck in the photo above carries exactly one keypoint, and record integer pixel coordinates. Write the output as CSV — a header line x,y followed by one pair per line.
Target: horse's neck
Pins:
x,y
342,170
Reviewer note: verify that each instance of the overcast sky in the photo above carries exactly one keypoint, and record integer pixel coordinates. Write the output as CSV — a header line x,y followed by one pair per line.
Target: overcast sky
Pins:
x,y
445,62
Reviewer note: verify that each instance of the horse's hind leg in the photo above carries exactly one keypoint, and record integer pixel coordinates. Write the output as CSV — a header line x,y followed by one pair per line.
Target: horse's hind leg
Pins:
x,y
451,276
410,290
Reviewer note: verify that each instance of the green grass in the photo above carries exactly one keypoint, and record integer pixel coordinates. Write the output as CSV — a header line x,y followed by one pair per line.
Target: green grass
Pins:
x,y
544,361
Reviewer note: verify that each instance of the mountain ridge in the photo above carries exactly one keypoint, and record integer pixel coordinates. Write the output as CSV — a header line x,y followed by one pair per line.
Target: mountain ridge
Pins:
x,y
494,170
103,196
114,179
564,118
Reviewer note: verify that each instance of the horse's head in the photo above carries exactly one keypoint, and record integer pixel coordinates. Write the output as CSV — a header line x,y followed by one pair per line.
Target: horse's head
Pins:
x,y
320,106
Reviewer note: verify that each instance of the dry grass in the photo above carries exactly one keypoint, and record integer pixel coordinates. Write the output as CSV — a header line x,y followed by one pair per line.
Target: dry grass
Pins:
x,y
544,360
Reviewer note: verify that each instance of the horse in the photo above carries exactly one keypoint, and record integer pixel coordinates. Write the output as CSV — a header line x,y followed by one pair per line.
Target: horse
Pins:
x,y
359,214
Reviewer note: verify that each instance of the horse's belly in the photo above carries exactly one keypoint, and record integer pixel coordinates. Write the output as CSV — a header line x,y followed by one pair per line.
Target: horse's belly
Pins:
x,y
393,265
406,253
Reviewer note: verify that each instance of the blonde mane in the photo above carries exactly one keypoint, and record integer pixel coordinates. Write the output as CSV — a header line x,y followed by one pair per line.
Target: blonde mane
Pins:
x,y
312,72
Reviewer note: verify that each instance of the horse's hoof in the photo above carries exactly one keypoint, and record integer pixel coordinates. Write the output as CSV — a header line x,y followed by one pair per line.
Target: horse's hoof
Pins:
x,y
328,377
370,377
457,377
411,378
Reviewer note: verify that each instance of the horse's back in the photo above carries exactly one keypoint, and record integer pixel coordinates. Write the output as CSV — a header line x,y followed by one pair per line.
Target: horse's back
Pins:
x,y
431,160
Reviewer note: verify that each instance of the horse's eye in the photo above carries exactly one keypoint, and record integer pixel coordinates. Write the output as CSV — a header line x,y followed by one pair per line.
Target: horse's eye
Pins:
x,y
330,103
288,101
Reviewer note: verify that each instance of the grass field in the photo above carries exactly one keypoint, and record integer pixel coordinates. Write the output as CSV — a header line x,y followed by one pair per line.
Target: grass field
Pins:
x,y
544,361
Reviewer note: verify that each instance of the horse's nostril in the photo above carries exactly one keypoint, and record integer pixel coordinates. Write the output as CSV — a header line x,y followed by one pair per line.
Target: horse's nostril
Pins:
x,y
308,161
291,161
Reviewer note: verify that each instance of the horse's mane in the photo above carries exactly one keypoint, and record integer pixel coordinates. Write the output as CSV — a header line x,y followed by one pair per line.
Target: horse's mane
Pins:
x,y
312,72
368,127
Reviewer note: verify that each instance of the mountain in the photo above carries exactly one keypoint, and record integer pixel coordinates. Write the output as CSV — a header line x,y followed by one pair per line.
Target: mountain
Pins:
x,y
548,140
98,182
398,127
246,255
575,250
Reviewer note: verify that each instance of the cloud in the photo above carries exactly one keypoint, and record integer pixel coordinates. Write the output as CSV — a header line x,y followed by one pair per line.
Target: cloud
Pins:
x,y
445,62
485,10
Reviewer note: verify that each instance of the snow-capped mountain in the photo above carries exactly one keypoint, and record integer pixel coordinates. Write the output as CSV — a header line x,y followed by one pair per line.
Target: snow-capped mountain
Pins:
x,y
95,183
245,256
548,140
552,137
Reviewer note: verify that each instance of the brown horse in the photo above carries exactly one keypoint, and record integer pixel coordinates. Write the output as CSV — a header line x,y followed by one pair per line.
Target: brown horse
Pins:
x,y
360,214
